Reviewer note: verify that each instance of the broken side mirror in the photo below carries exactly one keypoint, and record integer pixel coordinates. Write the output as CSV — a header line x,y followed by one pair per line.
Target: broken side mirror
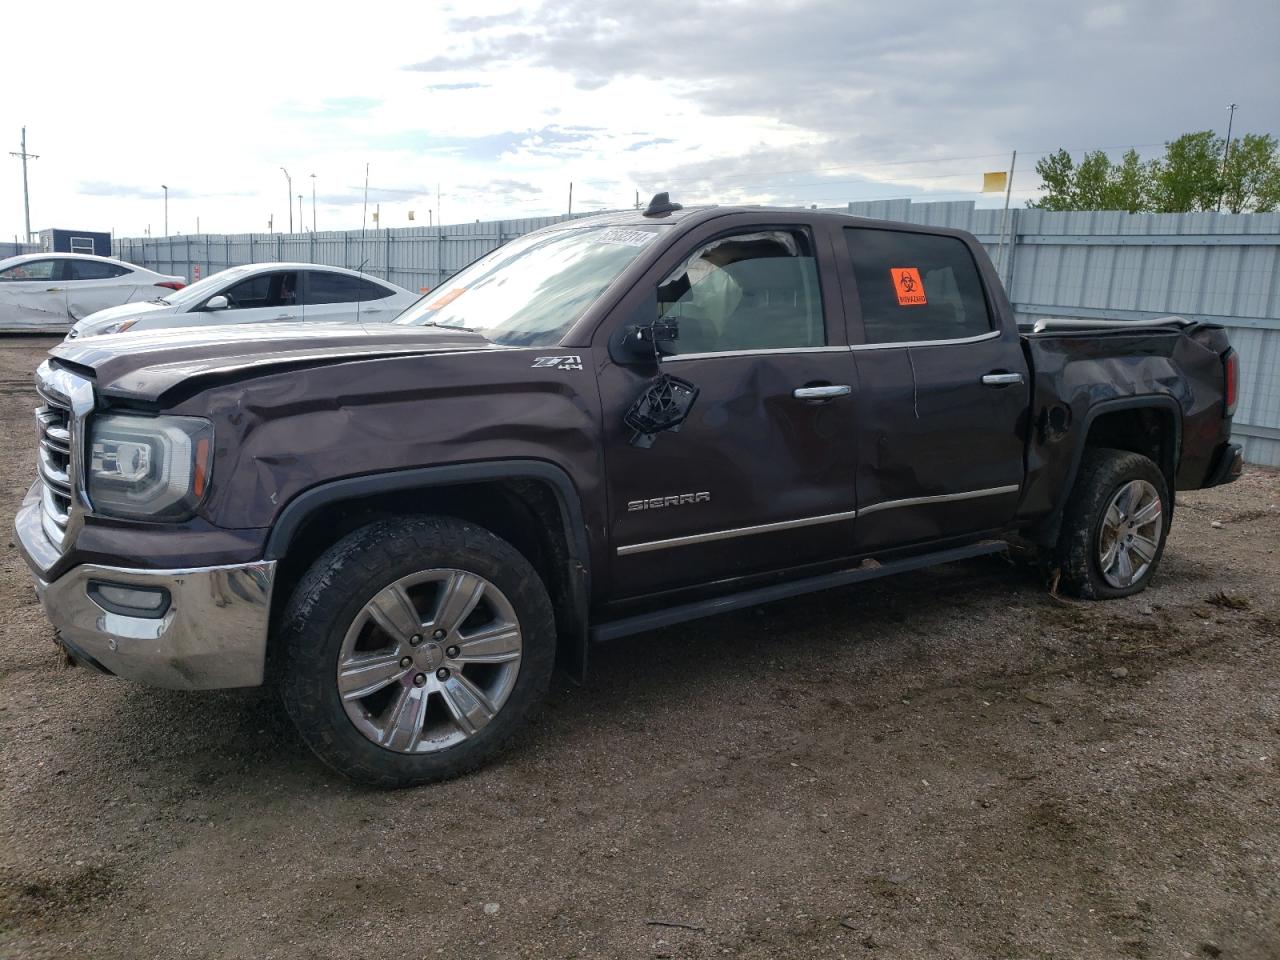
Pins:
x,y
664,406
641,339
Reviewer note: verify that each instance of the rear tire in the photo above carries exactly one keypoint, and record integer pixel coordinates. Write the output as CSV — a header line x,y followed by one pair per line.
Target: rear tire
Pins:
x,y
415,649
1114,526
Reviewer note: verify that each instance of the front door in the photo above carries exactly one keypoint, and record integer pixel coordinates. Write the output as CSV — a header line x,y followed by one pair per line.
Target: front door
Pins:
x,y
760,476
943,390
32,294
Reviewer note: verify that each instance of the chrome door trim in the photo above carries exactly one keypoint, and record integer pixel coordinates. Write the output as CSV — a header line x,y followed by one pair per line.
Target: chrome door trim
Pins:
x,y
940,498
735,532
925,343
716,354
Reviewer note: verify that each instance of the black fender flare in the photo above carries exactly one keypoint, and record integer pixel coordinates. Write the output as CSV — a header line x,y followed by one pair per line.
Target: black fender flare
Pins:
x,y
1146,401
573,653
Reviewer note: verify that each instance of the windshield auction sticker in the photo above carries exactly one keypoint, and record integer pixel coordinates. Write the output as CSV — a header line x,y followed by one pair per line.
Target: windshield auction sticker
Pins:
x,y
448,297
908,286
630,238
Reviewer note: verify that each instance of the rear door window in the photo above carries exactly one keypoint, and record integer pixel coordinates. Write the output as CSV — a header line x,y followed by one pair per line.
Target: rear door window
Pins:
x,y
916,287
93,270
324,287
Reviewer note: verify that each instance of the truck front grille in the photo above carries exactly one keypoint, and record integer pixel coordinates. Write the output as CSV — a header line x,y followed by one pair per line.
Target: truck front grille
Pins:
x,y
54,428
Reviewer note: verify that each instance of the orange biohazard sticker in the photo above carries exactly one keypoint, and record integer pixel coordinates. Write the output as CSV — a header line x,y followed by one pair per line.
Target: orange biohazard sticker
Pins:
x,y
908,286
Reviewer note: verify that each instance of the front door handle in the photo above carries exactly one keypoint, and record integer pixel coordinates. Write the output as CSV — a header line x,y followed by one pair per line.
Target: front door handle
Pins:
x,y
822,393
1001,379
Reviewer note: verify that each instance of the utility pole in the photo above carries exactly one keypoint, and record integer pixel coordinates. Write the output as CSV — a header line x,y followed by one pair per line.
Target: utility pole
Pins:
x,y
364,212
439,222
165,188
1226,150
26,196
313,203
570,198
1001,250
289,196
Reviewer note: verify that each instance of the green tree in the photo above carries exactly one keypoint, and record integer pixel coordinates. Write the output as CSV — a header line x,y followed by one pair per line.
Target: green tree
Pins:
x,y
1057,178
1128,185
1189,176
1252,180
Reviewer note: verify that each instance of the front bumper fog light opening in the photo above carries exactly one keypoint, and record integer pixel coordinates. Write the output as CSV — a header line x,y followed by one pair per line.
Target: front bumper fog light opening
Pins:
x,y
130,601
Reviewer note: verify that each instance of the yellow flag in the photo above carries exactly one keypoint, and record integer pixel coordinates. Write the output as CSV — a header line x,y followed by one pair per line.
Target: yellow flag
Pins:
x,y
410,214
994,182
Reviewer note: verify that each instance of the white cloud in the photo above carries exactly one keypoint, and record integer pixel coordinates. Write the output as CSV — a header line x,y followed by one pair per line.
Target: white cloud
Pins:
x,y
757,102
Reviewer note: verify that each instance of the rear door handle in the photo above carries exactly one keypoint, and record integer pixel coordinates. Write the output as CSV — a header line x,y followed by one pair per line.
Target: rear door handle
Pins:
x,y
822,393
1001,379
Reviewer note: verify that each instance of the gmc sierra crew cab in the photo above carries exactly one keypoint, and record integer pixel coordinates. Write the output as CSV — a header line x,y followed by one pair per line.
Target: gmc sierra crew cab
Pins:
x,y
603,427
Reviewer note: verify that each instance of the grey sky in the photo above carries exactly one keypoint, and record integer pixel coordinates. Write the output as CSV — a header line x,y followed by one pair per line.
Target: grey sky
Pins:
x,y
502,104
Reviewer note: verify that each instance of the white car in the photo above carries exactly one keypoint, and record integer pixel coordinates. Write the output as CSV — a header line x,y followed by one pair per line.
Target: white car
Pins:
x,y
259,293
49,291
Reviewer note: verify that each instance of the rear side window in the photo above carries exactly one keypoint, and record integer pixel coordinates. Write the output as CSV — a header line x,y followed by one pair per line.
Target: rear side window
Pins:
x,y
93,270
916,287
748,291
339,288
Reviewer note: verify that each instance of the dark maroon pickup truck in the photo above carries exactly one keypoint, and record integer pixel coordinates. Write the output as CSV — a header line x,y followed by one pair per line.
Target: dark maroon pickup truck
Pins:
x,y
607,426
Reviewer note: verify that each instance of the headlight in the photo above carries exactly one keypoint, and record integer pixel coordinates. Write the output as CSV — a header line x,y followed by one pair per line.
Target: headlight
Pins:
x,y
150,468
120,326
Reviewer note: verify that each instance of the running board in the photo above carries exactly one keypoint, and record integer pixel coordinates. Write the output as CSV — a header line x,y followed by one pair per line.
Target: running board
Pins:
x,y
750,598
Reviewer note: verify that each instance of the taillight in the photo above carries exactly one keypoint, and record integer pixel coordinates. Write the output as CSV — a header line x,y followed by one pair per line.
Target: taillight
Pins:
x,y
171,284
1231,380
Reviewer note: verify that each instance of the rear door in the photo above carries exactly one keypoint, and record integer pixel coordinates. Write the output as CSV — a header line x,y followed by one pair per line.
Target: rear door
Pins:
x,y
93,285
942,388
328,295
760,476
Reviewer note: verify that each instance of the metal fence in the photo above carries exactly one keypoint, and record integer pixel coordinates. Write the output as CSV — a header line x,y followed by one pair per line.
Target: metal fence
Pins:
x,y
16,249
1222,268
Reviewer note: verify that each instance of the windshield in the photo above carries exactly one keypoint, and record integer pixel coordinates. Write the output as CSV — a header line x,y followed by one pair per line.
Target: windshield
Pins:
x,y
529,292
203,288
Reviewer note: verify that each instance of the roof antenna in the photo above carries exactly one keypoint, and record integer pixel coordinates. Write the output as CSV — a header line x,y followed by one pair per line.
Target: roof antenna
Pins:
x,y
661,205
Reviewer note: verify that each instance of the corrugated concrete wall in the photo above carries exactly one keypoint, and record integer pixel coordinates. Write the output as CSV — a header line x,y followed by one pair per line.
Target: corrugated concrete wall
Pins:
x,y
1223,268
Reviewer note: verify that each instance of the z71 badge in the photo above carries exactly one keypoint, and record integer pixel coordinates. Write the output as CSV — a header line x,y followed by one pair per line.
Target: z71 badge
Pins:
x,y
559,363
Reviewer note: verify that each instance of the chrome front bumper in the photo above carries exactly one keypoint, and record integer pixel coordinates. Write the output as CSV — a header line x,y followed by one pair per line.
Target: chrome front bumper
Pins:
x,y
212,634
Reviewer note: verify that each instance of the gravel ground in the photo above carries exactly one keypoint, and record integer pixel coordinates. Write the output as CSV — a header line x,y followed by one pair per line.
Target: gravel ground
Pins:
x,y
948,764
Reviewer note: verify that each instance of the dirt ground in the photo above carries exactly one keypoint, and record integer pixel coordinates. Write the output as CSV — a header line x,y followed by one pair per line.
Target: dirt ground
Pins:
x,y
949,764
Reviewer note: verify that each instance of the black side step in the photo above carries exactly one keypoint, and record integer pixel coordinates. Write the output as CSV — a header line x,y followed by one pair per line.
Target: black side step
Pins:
x,y
749,598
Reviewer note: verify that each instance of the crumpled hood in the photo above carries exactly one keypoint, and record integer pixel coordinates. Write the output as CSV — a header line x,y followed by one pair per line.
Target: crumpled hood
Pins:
x,y
124,311
143,365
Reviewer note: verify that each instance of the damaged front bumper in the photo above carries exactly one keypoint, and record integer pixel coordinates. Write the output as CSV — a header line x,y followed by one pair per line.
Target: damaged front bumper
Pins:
x,y
188,629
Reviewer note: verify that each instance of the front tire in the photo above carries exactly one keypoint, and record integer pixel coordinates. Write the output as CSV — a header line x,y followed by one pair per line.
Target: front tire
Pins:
x,y
1115,525
415,649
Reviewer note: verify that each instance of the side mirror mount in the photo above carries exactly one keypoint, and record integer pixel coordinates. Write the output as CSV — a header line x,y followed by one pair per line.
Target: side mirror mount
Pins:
x,y
641,339
217,303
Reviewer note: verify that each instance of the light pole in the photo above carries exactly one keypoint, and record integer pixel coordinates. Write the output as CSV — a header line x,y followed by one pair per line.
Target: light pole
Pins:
x,y
289,198
301,222
313,203
165,188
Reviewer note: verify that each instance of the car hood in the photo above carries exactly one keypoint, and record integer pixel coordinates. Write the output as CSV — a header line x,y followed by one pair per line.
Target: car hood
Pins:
x,y
144,365
95,321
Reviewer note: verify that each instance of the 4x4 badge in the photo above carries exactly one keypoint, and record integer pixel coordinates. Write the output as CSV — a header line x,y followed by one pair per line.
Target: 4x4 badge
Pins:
x,y
559,363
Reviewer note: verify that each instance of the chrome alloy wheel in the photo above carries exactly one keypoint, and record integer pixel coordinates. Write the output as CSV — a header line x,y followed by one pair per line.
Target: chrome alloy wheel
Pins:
x,y
1129,535
429,661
